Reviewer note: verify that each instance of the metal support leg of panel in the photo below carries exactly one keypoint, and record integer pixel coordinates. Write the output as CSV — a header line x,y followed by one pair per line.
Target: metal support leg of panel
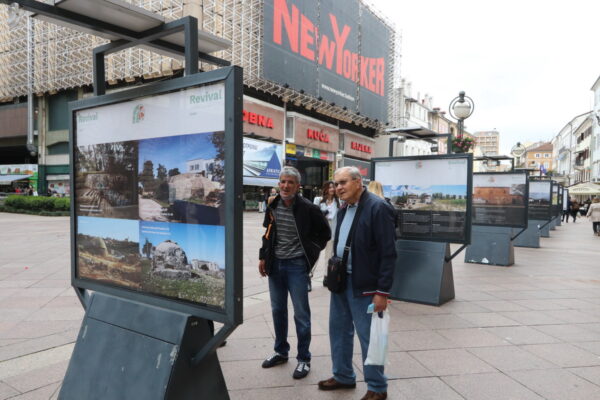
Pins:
x,y
129,350
491,245
423,274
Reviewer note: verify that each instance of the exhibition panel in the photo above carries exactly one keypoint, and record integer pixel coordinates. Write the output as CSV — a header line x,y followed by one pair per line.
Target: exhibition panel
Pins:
x,y
500,199
432,195
155,174
540,199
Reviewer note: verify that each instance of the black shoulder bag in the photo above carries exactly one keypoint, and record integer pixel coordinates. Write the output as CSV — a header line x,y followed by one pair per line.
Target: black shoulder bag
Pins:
x,y
336,266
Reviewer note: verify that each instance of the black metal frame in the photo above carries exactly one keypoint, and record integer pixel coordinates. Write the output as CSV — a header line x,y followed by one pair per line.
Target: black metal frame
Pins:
x,y
231,315
556,207
469,158
549,212
524,224
497,158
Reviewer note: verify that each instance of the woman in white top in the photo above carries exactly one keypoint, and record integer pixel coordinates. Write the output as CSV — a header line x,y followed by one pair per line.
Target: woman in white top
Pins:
x,y
329,204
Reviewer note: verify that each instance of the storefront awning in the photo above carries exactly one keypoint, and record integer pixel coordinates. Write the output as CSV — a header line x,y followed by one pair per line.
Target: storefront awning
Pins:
x,y
585,189
8,179
255,181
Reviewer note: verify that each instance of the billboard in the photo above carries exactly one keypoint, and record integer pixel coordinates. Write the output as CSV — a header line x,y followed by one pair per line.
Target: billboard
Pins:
x,y
262,162
432,195
153,174
539,199
500,199
333,50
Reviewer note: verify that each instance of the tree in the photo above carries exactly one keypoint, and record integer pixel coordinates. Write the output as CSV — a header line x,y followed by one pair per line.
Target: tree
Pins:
x,y
161,172
218,140
146,177
173,172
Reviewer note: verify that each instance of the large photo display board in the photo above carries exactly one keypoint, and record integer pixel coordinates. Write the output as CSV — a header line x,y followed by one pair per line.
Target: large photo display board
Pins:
x,y
555,198
500,199
540,197
152,182
432,195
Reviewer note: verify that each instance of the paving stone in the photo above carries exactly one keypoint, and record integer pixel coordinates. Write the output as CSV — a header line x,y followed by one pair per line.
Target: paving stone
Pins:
x,y
592,347
420,340
443,321
564,354
43,393
488,319
298,393
400,365
511,358
451,362
569,333
493,386
38,378
472,337
421,389
501,305
7,391
591,374
573,316
557,384
521,335
531,317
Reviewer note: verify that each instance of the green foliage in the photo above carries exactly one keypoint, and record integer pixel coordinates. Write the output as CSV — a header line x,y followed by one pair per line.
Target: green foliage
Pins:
x,y
38,205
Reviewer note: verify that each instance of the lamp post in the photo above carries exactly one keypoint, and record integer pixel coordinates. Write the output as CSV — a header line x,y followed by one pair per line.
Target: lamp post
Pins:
x,y
460,108
517,151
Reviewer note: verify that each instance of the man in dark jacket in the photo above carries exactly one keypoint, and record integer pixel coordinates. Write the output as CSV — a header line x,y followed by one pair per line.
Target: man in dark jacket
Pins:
x,y
296,232
370,269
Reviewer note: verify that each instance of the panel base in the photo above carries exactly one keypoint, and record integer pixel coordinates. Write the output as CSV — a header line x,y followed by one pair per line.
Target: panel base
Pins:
x,y
490,245
531,236
128,350
422,274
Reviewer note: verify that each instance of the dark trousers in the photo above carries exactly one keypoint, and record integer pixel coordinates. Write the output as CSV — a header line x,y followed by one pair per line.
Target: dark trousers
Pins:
x,y
565,215
574,215
596,227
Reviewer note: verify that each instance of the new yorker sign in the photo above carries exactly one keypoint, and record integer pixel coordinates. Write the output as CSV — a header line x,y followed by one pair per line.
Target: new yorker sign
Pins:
x,y
335,49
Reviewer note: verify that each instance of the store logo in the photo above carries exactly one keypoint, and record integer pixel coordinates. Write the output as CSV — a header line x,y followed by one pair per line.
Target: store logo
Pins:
x,y
138,113
81,118
321,136
419,164
207,97
257,119
360,147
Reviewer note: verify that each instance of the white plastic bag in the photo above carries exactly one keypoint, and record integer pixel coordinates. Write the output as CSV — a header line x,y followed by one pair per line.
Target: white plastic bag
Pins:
x,y
378,342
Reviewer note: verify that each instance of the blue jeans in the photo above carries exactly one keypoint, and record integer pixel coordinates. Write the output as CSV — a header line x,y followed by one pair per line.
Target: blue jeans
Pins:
x,y
290,276
346,313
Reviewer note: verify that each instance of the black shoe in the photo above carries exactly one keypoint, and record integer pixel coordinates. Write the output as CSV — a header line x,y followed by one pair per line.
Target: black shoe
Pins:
x,y
274,360
301,370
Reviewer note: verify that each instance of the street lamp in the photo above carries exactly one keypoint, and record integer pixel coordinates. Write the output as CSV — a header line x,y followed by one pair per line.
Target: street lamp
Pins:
x,y
517,151
460,109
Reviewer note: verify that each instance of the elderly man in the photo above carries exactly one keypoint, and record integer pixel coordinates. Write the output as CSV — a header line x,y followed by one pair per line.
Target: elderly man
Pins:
x,y
296,232
369,268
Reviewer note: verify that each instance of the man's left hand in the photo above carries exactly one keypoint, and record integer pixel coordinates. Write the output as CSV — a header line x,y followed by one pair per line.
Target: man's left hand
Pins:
x,y
380,302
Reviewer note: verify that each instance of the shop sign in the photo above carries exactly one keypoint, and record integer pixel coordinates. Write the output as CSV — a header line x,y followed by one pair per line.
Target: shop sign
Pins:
x,y
290,148
319,135
261,159
316,153
308,152
253,118
361,147
18,169
364,167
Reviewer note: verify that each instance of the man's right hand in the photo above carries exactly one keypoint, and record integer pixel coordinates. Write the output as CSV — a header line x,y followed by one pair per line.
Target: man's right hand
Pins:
x,y
262,268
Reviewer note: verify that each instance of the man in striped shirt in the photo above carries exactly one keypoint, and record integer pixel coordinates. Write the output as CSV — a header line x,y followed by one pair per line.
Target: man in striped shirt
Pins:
x,y
296,232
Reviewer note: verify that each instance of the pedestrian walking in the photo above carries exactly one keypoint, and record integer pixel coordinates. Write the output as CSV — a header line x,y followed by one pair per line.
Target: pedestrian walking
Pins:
x,y
329,205
370,268
594,215
574,209
296,232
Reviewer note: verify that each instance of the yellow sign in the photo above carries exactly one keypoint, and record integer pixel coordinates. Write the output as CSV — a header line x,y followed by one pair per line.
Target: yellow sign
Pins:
x,y
290,148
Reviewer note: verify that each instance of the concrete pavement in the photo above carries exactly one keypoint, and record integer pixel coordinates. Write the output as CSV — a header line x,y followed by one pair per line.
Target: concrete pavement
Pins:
x,y
530,331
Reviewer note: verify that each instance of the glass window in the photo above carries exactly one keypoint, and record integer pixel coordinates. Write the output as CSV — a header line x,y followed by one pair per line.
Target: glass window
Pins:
x,y
58,148
289,128
537,155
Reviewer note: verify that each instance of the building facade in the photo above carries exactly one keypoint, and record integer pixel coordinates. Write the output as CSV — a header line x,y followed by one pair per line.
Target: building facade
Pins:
x,y
595,140
318,120
488,142
538,156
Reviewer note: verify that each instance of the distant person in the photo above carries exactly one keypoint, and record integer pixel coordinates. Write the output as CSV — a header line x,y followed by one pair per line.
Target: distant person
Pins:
x,y
296,232
271,196
566,211
574,209
593,214
329,205
377,189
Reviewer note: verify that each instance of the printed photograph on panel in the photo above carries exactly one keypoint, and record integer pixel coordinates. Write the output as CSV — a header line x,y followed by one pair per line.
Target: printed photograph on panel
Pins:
x,y
428,198
184,261
539,193
105,180
499,199
108,251
182,179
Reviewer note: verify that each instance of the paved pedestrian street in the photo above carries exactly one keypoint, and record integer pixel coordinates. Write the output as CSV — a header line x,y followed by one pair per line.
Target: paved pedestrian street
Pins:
x,y
530,331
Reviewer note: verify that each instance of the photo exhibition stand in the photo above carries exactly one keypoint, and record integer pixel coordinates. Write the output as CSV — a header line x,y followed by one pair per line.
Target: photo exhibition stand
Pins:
x,y
132,345
531,236
491,245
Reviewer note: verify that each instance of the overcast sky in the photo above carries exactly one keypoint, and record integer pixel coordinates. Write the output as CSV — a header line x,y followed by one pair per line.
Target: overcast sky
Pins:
x,y
528,64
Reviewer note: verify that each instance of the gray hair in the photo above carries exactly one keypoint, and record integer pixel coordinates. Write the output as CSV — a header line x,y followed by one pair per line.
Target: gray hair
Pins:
x,y
290,171
353,171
